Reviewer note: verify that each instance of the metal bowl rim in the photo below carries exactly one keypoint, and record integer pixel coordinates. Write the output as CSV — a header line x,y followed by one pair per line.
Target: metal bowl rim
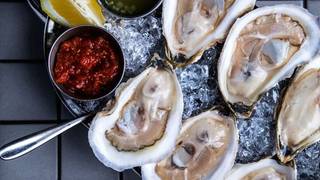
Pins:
x,y
57,43
103,4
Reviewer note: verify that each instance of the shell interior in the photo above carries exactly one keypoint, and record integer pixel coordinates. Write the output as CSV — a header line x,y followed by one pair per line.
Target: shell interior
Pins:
x,y
142,125
264,47
298,119
206,148
191,26
263,169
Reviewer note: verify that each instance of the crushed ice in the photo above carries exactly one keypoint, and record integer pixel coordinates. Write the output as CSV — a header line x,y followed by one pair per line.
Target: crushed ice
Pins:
x,y
139,39
142,37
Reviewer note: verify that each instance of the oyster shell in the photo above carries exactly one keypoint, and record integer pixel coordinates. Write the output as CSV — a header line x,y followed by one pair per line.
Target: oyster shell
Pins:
x,y
142,125
298,118
191,26
205,149
264,47
267,169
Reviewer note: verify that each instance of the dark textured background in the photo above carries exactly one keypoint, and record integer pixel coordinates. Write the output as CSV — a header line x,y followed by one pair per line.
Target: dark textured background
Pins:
x,y
28,103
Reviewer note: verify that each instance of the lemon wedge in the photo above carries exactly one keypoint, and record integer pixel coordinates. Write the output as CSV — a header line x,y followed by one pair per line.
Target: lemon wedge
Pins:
x,y
74,12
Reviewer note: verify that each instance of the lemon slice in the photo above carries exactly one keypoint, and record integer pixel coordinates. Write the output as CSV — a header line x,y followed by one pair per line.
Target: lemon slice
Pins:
x,y
74,12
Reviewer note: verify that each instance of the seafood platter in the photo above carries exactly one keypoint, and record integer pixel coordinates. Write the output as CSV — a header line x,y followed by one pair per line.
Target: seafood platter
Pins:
x,y
190,89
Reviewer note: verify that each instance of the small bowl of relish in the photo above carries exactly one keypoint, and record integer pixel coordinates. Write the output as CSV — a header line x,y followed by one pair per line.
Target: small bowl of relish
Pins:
x,y
130,8
86,63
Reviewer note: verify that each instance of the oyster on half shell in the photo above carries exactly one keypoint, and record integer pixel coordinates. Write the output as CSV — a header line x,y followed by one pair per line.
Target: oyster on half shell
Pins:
x,y
264,47
205,149
266,169
192,26
142,125
298,117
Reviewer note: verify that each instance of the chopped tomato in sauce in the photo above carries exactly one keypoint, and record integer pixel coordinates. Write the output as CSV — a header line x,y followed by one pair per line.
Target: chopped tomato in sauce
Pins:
x,y
86,66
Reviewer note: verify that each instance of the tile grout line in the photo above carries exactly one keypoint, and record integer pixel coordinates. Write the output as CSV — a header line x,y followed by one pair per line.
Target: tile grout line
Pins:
x,y
22,61
32,122
59,144
305,4
120,175
27,122
59,159
59,116
12,1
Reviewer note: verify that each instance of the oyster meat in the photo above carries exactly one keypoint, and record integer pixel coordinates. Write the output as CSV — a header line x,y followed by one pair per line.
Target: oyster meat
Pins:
x,y
266,169
143,123
192,26
264,47
298,118
205,149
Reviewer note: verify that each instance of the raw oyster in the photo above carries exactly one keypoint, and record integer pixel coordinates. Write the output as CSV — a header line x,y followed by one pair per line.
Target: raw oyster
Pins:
x,y
142,125
298,118
205,149
264,47
192,26
266,169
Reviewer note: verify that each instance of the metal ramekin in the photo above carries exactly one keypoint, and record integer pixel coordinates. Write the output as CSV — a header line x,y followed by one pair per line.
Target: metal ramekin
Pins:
x,y
107,9
77,31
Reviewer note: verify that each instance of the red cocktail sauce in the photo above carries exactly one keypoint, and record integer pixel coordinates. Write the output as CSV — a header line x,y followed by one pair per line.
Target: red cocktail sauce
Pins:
x,y
86,66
